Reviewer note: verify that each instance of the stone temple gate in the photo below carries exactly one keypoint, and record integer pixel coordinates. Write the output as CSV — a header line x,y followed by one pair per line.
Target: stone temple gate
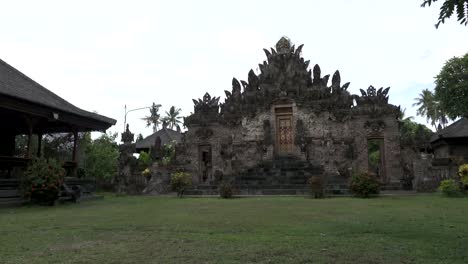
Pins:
x,y
279,128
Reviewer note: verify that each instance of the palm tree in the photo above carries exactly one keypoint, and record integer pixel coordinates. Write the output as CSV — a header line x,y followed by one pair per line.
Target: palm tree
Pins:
x,y
153,118
402,117
172,117
429,107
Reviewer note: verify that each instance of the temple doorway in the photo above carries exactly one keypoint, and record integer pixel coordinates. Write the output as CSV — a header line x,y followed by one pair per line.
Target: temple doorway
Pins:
x,y
284,130
376,161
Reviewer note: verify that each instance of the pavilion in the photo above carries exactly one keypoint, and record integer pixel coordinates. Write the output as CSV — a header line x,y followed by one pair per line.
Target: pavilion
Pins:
x,y
28,108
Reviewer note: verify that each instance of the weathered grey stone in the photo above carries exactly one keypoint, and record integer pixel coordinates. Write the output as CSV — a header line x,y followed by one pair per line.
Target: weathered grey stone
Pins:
x,y
286,125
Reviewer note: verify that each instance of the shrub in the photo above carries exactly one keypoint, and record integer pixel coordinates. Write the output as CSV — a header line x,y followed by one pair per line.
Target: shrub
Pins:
x,y
463,172
43,180
180,181
316,186
225,190
364,184
449,188
146,173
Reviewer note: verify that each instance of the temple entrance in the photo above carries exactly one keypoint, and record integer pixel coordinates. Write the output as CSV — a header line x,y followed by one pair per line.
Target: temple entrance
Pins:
x,y
375,151
204,156
284,130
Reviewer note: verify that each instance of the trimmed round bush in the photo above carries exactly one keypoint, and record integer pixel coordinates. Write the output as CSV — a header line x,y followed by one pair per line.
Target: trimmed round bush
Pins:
x,y
180,181
450,188
364,184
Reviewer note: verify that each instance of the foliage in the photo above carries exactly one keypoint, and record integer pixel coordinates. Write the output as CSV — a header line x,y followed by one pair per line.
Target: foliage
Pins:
x,y
59,146
316,186
463,173
450,187
168,153
153,118
373,149
225,190
144,160
430,107
101,157
42,180
139,137
452,87
447,9
414,135
363,184
180,181
173,117
146,173
21,145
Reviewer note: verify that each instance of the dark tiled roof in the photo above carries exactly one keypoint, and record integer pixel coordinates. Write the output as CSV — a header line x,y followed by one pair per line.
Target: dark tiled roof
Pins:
x,y
166,135
15,84
458,129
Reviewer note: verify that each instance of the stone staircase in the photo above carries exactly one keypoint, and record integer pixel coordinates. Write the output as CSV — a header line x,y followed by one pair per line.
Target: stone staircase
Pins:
x,y
282,176
9,192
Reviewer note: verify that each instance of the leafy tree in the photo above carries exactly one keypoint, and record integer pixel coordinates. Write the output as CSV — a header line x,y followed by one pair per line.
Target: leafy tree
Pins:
x,y
101,157
452,87
412,134
154,117
139,137
144,160
448,8
58,146
173,117
430,108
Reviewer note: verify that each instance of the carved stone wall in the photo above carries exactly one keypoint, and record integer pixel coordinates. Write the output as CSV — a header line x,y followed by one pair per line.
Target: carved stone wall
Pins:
x,y
330,126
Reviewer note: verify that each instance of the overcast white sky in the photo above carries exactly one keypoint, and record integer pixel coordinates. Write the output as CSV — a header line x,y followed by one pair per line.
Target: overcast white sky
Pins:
x,y
101,55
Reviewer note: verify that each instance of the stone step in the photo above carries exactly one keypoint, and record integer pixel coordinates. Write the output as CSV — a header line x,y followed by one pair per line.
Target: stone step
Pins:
x,y
14,201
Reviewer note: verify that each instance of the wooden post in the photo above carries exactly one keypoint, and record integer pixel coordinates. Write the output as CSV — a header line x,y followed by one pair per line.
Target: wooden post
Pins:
x,y
75,143
39,145
30,129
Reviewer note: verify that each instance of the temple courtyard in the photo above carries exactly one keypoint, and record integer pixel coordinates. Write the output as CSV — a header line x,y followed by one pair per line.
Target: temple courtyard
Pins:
x,y
419,228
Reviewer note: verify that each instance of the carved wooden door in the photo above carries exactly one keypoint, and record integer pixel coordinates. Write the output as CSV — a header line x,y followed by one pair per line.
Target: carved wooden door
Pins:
x,y
284,134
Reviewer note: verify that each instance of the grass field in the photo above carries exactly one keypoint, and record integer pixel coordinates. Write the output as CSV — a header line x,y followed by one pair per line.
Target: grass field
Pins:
x,y
406,229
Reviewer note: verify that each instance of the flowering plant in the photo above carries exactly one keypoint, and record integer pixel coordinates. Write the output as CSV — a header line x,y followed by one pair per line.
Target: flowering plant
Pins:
x,y
43,180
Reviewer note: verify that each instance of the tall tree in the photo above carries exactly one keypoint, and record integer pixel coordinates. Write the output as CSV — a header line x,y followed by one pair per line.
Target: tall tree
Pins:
x,y
429,107
153,118
173,117
101,157
452,87
448,8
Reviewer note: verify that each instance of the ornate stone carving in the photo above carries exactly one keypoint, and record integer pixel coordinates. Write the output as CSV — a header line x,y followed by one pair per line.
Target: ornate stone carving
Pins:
x,y
126,162
127,136
204,133
374,127
285,74
156,150
206,110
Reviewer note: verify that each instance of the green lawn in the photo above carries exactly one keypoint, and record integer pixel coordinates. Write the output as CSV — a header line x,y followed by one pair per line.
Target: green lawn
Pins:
x,y
407,229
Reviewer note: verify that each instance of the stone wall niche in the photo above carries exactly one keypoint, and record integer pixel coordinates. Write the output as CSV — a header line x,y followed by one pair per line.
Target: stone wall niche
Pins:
x,y
205,161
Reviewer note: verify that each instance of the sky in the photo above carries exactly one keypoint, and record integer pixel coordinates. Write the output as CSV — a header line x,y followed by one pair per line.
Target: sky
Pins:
x,y
103,55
